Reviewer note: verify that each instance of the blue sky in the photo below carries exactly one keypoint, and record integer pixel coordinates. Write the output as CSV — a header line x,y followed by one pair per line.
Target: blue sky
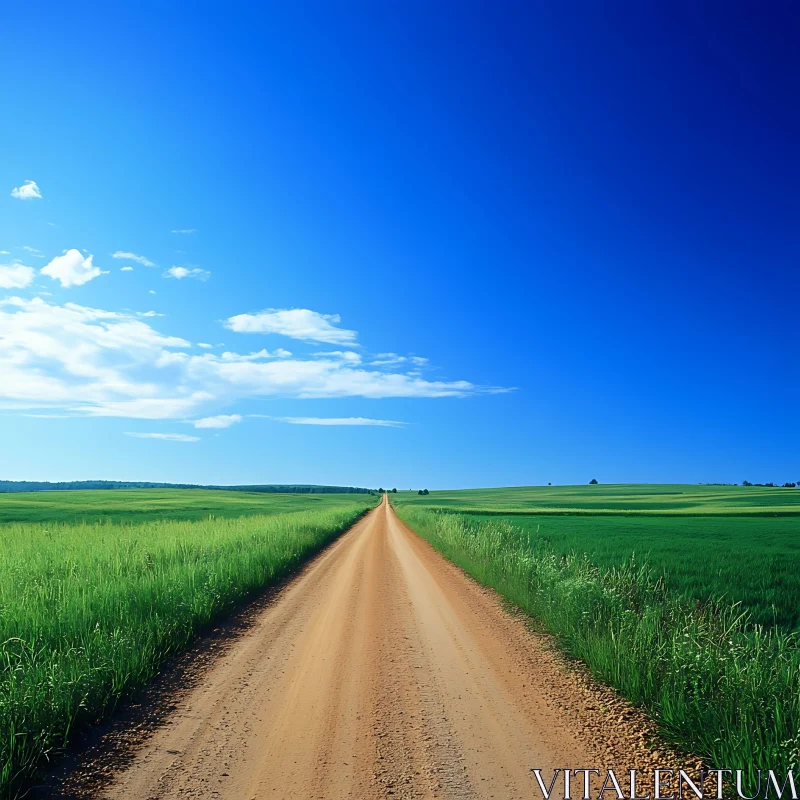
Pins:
x,y
546,242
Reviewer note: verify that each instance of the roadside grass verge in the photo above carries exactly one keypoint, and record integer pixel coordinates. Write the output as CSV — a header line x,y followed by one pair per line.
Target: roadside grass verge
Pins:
x,y
719,686
89,612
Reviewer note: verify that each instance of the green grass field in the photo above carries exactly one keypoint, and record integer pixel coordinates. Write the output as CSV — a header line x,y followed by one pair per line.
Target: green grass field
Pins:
x,y
622,499
715,542
146,505
89,610
686,598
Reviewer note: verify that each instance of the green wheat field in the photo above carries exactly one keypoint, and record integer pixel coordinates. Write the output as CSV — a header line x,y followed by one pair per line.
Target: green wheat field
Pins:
x,y
685,598
98,588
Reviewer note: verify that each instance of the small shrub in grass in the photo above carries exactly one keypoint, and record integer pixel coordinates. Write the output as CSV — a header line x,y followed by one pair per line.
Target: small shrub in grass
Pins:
x,y
719,686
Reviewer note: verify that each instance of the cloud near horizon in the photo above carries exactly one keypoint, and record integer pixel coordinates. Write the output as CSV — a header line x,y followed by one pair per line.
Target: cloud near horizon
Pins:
x,y
92,362
219,421
366,421
168,437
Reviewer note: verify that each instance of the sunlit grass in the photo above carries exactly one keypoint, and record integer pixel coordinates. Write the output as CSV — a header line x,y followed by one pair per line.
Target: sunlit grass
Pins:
x,y
88,612
718,685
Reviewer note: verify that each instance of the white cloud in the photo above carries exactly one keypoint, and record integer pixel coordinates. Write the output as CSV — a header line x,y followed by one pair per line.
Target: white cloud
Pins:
x,y
387,359
382,423
393,359
152,291
317,378
16,276
185,230
169,437
145,262
260,355
184,272
149,408
77,358
219,421
345,355
28,191
33,250
205,345
126,269
297,323
87,361
72,269
4,253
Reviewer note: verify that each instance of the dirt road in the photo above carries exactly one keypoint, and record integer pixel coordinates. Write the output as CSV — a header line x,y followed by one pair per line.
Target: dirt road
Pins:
x,y
381,671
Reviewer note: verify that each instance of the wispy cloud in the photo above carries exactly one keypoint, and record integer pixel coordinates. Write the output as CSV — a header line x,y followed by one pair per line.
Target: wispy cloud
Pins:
x,y
185,230
87,361
16,276
28,191
219,421
167,437
387,359
296,323
346,355
381,423
72,269
126,269
393,359
33,251
184,272
145,262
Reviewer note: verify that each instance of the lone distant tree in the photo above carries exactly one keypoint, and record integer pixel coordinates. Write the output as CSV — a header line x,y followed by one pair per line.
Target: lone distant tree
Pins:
x,y
549,484
746,483
394,490
380,491
423,491
593,482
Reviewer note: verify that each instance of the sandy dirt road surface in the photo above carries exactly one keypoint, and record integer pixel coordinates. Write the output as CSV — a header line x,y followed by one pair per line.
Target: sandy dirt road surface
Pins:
x,y
380,671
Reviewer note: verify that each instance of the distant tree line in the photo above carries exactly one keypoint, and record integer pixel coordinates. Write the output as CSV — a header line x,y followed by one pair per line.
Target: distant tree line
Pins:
x,y
47,486
423,491
787,485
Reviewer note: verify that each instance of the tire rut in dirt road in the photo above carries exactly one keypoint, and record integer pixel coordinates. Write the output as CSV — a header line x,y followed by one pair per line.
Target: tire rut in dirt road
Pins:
x,y
381,671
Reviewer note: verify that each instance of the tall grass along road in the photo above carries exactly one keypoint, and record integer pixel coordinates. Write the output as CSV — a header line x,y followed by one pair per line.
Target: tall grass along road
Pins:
x,y
381,671
88,612
718,683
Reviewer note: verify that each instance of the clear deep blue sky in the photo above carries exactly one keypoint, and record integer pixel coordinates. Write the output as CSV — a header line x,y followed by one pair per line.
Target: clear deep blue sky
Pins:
x,y
594,205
